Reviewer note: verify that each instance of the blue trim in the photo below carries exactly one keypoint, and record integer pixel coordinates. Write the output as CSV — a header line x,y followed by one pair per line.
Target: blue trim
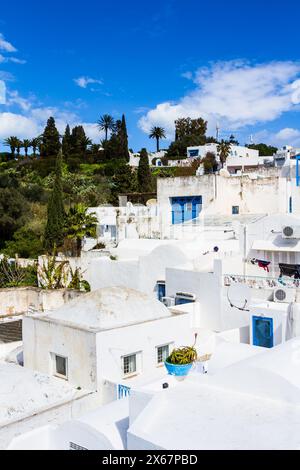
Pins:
x,y
297,170
182,301
123,392
161,291
263,332
185,208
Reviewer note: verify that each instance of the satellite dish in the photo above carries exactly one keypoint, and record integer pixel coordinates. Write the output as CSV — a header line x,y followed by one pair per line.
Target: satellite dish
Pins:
x,y
239,296
151,202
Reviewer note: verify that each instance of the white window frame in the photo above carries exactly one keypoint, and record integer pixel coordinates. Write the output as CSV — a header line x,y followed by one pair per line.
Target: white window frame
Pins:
x,y
54,368
169,345
138,365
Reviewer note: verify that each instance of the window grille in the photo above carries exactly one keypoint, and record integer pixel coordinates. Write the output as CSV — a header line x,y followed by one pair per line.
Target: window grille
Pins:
x,y
129,364
162,353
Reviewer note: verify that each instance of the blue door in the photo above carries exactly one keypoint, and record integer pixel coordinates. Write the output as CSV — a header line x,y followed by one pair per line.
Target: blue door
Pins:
x,y
185,209
263,334
161,291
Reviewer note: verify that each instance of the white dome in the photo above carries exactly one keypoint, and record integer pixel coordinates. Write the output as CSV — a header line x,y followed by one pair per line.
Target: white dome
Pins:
x,y
110,308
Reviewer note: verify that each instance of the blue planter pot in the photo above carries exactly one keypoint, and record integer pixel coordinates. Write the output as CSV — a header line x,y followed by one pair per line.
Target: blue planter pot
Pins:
x,y
178,370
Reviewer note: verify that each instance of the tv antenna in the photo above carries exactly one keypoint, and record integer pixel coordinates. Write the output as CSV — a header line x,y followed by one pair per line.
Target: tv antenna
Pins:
x,y
217,132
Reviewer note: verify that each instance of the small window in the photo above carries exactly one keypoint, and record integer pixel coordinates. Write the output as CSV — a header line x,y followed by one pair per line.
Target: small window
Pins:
x,y
235,210
60,366
129,365
163,353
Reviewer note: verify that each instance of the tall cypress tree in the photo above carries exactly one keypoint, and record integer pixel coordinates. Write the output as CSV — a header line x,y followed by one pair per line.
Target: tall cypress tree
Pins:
x,y
123,136
50,141
144,174
54,232
66,143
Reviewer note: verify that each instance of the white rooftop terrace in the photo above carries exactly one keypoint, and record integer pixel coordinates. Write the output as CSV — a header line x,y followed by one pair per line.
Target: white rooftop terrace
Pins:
x,y
24,392
251,404
109,308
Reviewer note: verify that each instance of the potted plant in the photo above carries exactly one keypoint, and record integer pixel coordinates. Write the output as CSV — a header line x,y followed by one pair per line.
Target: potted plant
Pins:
x,y
181,360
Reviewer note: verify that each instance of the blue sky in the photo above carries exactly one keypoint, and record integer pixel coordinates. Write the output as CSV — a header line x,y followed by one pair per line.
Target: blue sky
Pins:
x,y
234,63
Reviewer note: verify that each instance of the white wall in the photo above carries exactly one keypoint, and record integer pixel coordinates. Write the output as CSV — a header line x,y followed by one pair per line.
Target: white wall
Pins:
x,y
112,345
253,195
41,338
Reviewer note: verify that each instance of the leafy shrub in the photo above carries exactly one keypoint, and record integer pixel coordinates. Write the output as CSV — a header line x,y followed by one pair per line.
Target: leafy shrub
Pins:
x,y
14,275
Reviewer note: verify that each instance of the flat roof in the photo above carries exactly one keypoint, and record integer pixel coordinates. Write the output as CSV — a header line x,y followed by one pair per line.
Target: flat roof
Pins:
x,y
24,392
207,418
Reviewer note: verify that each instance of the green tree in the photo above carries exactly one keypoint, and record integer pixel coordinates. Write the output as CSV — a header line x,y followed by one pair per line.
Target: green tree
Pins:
x,y
79,224
14,211
224,151
106,123
12,142
144,174
157,133
210,163
19,146
264,149
190,127
26,144
233,140
79,141
35,143
66,142
123,181
50,140
54,231
188,133
123,138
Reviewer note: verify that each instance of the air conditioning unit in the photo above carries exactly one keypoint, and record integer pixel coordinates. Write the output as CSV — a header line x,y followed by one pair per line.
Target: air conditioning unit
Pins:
x,y
291,231
283,295
168,301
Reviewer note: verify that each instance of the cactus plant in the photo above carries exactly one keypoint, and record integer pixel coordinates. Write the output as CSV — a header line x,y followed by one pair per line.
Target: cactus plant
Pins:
x,y
184,355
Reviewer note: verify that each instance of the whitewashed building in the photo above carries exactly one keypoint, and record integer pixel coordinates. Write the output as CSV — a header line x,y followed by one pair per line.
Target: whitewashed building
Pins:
x,y
89,352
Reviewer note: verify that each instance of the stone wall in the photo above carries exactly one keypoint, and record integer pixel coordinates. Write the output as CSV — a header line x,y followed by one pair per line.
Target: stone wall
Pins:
x,y
18,300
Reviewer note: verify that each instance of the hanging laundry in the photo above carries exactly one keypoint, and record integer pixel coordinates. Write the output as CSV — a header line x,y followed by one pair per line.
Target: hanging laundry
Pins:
x,y
265,265
290,270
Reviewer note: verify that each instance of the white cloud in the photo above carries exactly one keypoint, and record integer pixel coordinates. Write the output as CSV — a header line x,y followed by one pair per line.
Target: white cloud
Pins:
x,y
16,124
35,120
2,92
4,59
13,98
83,82
235,94
286,136
5,45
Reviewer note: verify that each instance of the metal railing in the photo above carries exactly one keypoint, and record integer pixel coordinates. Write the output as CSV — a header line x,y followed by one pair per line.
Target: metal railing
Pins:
x,y
256,282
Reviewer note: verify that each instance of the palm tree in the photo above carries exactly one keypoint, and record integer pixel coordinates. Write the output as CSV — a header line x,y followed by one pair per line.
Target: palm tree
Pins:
x,y
35,143
26,144
19,146
86,142
80,224
13,143
106,123
223,151
157,133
